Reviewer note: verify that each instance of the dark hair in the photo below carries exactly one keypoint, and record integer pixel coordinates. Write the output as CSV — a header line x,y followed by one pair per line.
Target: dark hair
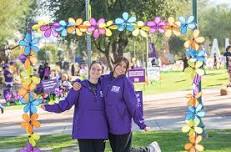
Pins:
x,y
121,59
228,47
96,62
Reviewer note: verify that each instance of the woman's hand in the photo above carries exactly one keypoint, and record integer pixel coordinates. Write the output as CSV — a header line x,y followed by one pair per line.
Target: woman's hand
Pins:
x,y
77,86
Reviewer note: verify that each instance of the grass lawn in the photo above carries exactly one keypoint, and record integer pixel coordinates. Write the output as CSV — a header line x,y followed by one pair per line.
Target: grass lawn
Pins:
x,y
178,81
170,141
175,81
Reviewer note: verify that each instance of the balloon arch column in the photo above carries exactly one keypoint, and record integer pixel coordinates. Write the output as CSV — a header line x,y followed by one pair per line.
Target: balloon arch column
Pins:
x,y
99,28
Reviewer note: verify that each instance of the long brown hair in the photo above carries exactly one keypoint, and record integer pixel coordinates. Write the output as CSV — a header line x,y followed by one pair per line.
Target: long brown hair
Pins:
x,y
95,62
119,60
228,47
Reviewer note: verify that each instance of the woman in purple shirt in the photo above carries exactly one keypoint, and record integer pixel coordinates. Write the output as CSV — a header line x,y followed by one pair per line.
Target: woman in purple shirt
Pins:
x,y
121,107
8,76
89,122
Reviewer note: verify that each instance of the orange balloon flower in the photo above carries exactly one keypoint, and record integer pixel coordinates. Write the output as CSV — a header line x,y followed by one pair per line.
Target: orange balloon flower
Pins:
x,y
30,60
24,92
77,26
192,100
193,146
30,122
172,27
195,41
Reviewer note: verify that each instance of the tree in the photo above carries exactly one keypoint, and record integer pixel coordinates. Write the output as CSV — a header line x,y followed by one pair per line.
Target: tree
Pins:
x,y
111,9
48,53
13,19
216,25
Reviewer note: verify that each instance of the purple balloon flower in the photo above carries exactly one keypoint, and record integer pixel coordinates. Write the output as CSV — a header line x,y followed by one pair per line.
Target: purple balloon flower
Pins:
x,y
49,29
96,27
7,95
30,148
22,58
157,25
58,92
196,81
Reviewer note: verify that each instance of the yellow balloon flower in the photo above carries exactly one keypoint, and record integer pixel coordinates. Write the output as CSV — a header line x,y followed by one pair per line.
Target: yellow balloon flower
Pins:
x,y
141,29
172,27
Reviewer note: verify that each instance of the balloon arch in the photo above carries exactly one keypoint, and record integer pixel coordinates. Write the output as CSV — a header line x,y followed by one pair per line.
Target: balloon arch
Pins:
x,y
99,28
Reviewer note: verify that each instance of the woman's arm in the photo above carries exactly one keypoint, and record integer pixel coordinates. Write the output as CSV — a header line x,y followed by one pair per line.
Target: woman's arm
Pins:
x,y
65,104
131,102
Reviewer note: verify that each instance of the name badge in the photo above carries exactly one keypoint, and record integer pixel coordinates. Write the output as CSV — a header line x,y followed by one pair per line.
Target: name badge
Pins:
x,y
115,89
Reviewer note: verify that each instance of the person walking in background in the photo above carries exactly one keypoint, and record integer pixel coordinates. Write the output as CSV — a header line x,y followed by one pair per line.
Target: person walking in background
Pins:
x,y
41,71
47,72
89,122
227,55
8,76
121,107
215,61
185,62
65,84
73,69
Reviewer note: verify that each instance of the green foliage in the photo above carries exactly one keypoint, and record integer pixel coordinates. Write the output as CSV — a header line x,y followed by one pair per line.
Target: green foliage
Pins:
x,y
48,53
176,45
13,17
169,141
111,9
179,81
215,23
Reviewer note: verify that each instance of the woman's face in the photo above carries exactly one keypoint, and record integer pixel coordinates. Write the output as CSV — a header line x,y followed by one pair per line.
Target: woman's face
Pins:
x,y
95,71
229,50
64,78
120,69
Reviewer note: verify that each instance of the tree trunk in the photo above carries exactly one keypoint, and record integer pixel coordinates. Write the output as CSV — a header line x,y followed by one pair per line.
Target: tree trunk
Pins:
x,y
3,57
109,60
114,46
3,49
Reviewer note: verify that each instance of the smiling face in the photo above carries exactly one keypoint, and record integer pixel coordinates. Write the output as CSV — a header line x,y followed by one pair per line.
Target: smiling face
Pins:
x,y
95,71
120,69
229,50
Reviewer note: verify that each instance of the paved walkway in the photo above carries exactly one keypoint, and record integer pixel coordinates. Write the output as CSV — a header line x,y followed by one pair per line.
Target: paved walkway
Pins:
x,y
162,112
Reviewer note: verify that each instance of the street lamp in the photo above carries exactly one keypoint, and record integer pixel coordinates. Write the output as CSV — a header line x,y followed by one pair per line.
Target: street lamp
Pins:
x,y
88,37
194,10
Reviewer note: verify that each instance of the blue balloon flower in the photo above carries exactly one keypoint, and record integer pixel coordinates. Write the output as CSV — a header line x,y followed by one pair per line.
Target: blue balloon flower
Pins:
x,y
29,44
126,22
31,105
194,54
63,28
186,23
195,112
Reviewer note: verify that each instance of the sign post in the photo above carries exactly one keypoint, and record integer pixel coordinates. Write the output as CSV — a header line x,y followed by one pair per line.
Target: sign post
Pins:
x,y
88,37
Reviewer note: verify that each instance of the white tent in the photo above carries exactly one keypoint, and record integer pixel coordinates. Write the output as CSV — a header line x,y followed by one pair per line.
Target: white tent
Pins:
x,y
226,42
215,49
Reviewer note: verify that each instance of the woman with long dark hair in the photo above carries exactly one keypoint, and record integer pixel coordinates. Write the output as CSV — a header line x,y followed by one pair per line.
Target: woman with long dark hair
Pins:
x,y
121,107
89,123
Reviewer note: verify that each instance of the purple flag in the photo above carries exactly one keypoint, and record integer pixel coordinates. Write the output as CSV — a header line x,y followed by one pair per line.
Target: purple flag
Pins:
x,y
152,50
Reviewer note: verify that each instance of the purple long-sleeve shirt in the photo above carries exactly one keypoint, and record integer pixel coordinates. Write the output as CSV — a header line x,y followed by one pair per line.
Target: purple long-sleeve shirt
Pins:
x,y
89,121
121,104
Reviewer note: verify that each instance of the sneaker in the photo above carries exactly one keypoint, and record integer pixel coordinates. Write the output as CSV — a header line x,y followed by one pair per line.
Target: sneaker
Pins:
x,y
154,147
